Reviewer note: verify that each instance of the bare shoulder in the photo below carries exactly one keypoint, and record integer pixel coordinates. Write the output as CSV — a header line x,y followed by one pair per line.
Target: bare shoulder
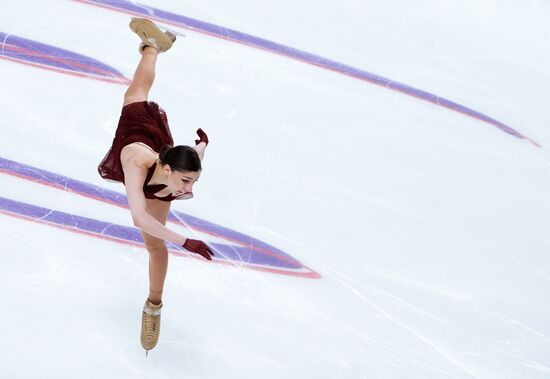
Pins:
x,y
137,156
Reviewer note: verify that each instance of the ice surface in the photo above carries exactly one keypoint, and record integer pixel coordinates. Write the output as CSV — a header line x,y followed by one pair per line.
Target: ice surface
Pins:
x,y
428,228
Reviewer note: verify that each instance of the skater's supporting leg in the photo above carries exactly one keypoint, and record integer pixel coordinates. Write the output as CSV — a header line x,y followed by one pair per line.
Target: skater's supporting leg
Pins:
x,y
158,254
158,265
143,77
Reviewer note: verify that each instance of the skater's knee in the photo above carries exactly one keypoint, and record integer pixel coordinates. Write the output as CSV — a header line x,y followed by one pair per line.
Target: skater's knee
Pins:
x,y
135,94
155,246
157,250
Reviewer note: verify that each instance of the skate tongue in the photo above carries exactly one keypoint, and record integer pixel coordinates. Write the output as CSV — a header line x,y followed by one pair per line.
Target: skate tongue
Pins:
x,y
152,309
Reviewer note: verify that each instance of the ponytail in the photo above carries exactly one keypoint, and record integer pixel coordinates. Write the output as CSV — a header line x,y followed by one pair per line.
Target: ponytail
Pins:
x,y
163,154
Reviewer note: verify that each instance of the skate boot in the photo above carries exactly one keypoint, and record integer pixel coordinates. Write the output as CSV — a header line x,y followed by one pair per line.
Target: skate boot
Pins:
x,y
150,325
151,35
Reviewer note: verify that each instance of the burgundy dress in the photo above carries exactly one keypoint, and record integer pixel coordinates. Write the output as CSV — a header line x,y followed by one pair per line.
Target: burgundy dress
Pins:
x,y
144,122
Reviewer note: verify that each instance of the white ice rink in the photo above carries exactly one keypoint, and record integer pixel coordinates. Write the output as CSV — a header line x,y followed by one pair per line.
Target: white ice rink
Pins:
x,y
418,236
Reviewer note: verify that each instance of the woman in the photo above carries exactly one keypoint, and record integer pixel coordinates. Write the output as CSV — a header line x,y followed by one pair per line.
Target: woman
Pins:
x,y
153,172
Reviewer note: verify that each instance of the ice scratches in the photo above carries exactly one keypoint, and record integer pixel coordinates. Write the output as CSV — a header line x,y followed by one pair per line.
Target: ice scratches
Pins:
x,y
224,116
408,358
242,261
131,365
460,365
524,327
405,303
464,33
188,91
239,263
147,9
533,270
221,352
535,365
64,189
4,42
512,323
381,368
230,259
39,245
250,354
432,287
104,230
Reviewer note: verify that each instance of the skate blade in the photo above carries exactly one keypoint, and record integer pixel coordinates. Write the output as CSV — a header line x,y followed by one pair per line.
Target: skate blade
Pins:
x,y
165,29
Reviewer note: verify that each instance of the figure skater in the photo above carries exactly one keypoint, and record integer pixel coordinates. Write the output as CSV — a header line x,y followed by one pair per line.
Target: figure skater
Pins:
x,y
153,171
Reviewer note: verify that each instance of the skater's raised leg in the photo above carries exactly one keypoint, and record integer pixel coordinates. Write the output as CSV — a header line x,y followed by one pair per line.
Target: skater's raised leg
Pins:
x,y
143,77
154,41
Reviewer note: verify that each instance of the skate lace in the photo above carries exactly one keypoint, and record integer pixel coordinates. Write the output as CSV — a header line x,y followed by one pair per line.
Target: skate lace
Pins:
x,y
151,326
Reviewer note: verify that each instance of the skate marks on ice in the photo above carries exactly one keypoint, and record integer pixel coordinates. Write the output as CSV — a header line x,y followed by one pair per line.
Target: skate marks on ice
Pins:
x,y
159,362
352,285
198,359
51,58
25,262
218,31
466,333
231,247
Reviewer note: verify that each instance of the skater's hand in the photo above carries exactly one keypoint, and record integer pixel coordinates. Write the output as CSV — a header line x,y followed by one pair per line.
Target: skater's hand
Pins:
x,y
198,247
202,137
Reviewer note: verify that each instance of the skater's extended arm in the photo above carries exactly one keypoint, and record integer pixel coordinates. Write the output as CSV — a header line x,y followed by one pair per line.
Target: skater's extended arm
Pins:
x,y
200,149
201,143
134,176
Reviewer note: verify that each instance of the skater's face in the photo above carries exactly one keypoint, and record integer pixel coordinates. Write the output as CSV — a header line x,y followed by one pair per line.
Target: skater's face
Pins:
x,y
181,182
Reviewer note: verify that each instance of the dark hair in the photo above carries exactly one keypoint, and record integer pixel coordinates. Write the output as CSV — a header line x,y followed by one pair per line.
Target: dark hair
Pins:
x,y
180,158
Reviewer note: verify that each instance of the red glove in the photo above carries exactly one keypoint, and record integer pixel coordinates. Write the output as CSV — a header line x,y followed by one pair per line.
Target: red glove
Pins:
x,y
198,247
202,137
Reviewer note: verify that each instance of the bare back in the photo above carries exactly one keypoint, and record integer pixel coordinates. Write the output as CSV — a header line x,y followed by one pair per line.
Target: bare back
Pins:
x,y
136,158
